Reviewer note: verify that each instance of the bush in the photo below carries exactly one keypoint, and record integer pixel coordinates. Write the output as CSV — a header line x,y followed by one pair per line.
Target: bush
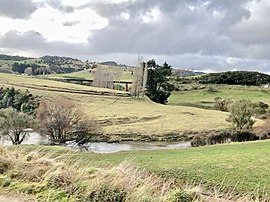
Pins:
x,y
106,193
242,136
198,141
5,165
219,138
240,115
260,108
222,104
21,101
179,195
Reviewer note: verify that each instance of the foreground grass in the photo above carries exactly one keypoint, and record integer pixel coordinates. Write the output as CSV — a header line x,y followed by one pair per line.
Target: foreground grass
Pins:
x,y
61,178
205,99
121,114
238,168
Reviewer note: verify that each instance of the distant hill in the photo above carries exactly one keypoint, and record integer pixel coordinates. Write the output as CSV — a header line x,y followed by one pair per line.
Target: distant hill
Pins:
x,y
43,65
235,78
11,57
59,60
110,63
185,73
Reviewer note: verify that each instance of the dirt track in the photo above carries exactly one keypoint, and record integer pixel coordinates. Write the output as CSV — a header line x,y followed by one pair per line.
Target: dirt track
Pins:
x,y
8,198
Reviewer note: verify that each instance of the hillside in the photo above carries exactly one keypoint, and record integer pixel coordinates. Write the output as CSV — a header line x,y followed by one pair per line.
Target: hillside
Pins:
x,y
121,114
126,74
179,73
235,78
203,96
42,65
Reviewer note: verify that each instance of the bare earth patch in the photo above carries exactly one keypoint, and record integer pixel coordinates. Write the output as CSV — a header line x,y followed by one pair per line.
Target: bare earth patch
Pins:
x,y
11,197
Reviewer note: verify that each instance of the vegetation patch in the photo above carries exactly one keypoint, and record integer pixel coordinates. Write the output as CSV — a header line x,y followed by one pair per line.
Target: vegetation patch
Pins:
x,y
212,173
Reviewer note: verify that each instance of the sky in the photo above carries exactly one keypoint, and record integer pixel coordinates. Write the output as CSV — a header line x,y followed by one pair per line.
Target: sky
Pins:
x,y
204,35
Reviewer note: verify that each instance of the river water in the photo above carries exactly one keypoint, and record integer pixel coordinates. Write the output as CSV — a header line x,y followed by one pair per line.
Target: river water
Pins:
x,y
103,147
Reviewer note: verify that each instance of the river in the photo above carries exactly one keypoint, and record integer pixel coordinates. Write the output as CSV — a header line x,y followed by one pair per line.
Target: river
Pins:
x,y
103,147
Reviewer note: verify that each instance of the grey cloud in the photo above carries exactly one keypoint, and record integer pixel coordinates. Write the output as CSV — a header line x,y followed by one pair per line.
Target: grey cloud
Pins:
x,y
181,30
17,9
71,23
57,4
33,41
200,34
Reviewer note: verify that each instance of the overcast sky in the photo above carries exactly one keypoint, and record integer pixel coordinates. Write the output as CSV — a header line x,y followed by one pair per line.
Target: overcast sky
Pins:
x,y
208,35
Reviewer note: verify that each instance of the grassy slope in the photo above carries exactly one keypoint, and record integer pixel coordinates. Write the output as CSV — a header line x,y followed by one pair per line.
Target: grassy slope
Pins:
x,y
127,115
126,74
203,98
242,167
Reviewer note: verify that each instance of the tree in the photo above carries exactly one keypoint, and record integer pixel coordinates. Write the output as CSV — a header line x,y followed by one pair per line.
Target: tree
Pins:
x,y
222,104
21,101
139,80
28,71
61,119
157,86
14,123
105,77
241,114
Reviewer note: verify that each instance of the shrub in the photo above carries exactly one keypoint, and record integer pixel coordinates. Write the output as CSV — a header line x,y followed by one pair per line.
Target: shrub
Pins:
x,y
13,125
5,164
179,195
219,138
240,114
242,136
260,108
222,104
198,141
21,101
107,193
61,119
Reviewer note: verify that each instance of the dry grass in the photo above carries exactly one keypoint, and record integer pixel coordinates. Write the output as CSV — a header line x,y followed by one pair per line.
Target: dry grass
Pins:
x,y
159,119
52,179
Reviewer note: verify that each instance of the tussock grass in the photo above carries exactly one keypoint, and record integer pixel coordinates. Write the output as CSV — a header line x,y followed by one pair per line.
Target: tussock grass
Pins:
x,y
64,177
57,179
38,174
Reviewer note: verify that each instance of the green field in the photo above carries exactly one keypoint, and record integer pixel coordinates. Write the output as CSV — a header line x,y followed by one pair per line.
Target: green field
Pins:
x,y
238,167
120,113
85,74
205,99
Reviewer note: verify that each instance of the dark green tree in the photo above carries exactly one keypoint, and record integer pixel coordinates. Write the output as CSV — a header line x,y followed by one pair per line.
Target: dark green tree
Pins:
x,y
13,124
158,87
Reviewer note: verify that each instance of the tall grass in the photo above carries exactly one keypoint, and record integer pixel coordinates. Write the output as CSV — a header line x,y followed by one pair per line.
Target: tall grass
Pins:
x,y
57,179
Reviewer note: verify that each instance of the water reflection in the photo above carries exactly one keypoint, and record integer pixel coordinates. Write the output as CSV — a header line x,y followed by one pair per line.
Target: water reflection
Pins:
x,y
32,138
104,147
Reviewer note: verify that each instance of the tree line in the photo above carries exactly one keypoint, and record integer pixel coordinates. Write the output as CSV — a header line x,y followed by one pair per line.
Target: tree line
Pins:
x,y
235,78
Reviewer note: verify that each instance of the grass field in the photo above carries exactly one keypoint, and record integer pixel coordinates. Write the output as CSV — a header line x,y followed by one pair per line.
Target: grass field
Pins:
x,y
238,167
123,115
205,99
85,74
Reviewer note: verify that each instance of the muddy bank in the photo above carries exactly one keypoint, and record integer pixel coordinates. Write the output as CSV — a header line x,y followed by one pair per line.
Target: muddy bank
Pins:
x,y
182,136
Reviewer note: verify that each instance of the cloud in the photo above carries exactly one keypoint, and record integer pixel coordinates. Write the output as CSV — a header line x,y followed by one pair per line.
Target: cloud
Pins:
x,y
71,23
35,43
213,35
58,4
17,9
